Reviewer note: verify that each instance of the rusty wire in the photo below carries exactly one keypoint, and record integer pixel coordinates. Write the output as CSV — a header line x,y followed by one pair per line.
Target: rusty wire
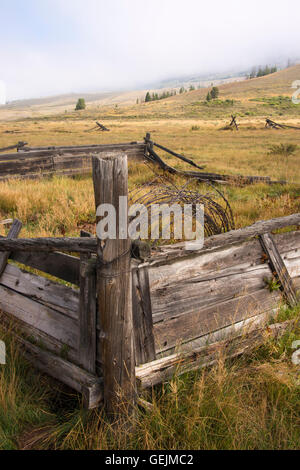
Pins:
x,y
218,216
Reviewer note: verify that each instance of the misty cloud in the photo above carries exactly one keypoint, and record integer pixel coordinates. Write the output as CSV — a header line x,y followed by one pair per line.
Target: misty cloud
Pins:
x,y
58,46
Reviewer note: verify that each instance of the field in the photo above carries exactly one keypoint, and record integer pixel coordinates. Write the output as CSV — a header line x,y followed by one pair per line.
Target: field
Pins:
x,y
250,403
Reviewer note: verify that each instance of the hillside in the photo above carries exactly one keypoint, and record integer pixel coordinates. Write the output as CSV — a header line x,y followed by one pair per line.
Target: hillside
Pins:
x,y
278,83
259,97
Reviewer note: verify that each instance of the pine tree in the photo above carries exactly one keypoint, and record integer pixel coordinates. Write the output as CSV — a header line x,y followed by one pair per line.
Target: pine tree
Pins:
x,y
208,97
214,92
148,97
80,104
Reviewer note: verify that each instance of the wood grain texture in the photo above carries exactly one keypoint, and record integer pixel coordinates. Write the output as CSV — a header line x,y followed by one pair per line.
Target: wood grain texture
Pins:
x,y
57,264
172,252
87,312
142,317
41,317
279,268
175,331
78,379
164,369
13,233
76,244
40,289
110,176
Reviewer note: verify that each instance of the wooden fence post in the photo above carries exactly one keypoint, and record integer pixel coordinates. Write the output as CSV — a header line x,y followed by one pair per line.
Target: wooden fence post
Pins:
x,y
13,233
87,312
110,176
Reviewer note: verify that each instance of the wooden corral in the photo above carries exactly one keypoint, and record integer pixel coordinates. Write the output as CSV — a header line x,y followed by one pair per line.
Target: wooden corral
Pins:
x,y
126,324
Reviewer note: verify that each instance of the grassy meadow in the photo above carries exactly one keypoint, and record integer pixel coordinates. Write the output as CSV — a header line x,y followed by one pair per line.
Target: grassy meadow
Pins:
x,y
248,403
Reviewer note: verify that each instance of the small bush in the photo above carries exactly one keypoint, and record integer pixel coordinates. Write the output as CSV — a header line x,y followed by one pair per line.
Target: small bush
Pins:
x,y
80,104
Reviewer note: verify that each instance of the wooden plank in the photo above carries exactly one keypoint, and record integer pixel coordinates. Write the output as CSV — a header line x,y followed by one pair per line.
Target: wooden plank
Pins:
x,y
131,149
31,165
193,294
80,380
56,264
164,369
142,317
42,339
226,262
48,174
40,289
231,331
87,312
166,255
110,176
173,252
76,244
198,322
42,317
13,233
278,267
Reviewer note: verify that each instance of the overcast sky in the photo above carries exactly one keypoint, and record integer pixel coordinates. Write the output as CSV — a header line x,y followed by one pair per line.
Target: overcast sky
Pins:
x,y
57,46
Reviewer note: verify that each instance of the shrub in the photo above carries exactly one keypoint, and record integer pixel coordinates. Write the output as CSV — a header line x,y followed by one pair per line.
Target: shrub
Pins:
x,y
80,104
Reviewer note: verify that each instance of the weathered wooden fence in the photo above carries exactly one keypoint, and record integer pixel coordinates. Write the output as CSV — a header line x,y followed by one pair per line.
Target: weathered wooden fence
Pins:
x,y
67,161
127,324
36,162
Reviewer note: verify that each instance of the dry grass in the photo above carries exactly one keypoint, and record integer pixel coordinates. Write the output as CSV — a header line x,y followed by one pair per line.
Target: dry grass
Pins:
x,y
251,403
247,403
61,205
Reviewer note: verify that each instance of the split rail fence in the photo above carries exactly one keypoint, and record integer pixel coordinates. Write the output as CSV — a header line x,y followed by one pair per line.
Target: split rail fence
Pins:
x,y
36,162
116,325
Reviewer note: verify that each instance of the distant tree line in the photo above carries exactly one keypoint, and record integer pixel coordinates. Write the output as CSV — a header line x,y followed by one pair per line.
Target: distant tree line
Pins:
x,y
166,94
156,96
262,71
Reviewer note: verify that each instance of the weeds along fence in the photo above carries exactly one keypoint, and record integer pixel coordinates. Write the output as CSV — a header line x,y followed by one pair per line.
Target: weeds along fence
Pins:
x,y
108,325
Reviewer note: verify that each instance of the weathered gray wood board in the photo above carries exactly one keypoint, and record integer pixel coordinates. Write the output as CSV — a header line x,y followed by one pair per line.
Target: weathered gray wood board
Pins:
x,y
56,264
116,344
167,253
80,380
87,315
279,268
142,317
41,304
194,296
161,370
66,161
13,233
42,290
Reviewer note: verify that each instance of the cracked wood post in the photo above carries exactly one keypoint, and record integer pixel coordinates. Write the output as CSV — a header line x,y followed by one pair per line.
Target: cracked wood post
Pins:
x,y
87,311
110,176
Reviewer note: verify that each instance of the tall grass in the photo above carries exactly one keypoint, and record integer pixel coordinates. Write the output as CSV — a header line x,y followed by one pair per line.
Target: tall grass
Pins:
x,y
252,402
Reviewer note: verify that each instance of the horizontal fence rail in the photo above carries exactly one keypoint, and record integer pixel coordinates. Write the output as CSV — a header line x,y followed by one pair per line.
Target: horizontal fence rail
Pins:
x,y
66,161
